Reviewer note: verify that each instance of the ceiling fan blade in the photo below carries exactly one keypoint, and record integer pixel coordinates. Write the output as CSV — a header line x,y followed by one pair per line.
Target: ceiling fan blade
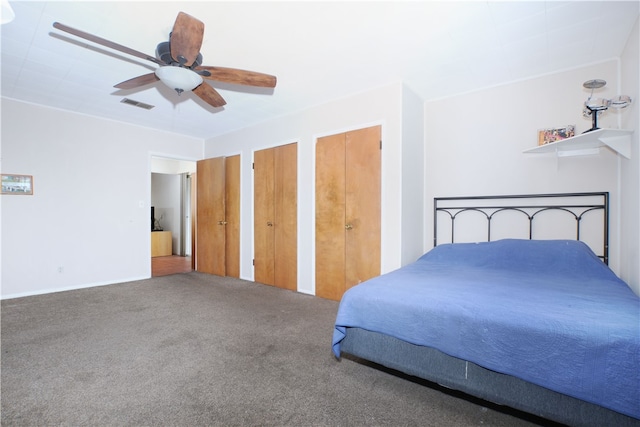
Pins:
x,y
186,39
135,82
241,77
107,43
209,95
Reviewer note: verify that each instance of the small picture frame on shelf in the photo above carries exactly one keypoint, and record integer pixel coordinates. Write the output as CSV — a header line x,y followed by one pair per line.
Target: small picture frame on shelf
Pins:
x,y
17,184
547,136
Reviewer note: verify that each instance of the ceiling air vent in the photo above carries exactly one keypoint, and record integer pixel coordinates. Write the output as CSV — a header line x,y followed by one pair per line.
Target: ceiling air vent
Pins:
x,y
137,103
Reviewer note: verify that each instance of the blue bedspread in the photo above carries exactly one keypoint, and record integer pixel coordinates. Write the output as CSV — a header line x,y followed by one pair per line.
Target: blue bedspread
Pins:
x,y
549,312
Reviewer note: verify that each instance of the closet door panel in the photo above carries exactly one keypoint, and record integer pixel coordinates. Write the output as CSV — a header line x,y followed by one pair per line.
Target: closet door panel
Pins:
x,y
285,225
362,205
210,213
232,216
330,217
264,216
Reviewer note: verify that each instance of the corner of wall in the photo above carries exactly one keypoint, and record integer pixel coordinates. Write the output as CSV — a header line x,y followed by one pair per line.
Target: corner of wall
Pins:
x,y
630,169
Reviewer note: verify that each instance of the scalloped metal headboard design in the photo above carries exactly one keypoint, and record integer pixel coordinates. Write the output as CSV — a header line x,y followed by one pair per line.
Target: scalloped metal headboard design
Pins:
x,y
575,206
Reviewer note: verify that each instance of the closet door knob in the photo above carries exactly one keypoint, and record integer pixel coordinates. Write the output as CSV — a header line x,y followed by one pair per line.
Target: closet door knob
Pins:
x,y
348,226
222,222
269,224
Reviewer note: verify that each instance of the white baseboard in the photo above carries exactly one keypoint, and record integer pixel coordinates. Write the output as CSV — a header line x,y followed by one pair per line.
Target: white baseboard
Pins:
x,y
69,288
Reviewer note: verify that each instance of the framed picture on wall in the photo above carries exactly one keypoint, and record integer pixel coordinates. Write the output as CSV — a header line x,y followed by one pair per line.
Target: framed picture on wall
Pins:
x,y
547,136
17,184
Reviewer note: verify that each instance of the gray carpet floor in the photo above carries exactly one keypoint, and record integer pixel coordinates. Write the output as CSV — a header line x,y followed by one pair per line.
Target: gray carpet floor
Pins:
x,y
193,349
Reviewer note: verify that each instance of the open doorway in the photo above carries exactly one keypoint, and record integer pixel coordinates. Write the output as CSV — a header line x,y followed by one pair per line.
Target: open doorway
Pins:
x,y
171,216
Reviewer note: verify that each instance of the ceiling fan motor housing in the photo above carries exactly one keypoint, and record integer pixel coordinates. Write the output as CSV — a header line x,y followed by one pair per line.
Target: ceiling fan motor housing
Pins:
x,y
163,52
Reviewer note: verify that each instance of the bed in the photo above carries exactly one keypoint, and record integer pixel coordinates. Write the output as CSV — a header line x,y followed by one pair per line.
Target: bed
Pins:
x,y
536,323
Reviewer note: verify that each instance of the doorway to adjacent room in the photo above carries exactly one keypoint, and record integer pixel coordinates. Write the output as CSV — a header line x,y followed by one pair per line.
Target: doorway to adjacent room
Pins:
x,y
171,215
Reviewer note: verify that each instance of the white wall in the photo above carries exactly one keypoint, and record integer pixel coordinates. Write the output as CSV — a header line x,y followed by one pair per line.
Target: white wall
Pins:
x,y
630,176
380,106
412,176
474,143
88,221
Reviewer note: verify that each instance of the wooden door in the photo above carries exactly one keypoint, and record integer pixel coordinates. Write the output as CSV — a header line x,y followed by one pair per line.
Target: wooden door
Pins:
x,y
232,216
330,217
210,231
347,210
275,216
285,227
362,205
263,216
194,218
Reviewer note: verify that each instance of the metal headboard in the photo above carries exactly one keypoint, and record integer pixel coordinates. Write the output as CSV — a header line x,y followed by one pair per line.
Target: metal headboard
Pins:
x,y
530,205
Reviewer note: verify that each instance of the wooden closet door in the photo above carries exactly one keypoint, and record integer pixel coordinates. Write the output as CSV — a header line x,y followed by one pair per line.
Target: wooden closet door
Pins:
x,y
330,217
276,216
285,226
210,234
264,216
347,210
232,216
362,205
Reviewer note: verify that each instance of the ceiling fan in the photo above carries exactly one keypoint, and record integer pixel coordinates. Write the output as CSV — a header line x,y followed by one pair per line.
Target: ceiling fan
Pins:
x,y
180,63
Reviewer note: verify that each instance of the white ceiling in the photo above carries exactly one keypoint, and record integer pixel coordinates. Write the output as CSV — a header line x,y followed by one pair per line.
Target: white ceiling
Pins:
x,y
319,51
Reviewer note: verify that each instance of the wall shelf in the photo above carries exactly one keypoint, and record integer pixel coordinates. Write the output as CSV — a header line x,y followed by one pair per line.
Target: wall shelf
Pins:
x,y
619,140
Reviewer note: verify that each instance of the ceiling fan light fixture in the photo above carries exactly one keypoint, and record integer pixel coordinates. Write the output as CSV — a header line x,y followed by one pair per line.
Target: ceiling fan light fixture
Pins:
x,y
178,78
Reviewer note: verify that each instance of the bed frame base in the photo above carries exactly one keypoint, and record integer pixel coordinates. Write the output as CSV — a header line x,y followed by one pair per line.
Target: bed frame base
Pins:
x,y
450,372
